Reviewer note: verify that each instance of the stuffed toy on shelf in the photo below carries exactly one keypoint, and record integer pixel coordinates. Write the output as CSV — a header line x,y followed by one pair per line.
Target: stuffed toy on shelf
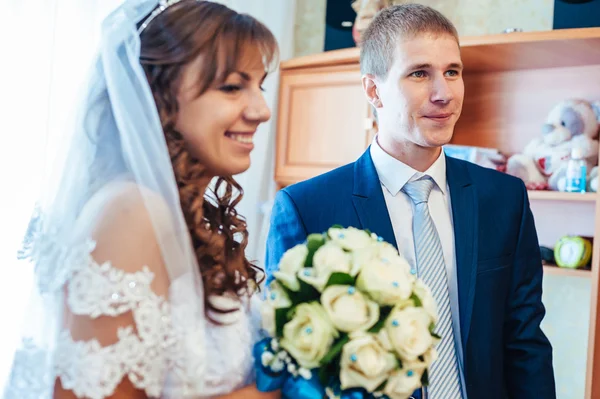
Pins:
x,y
365,11
572,123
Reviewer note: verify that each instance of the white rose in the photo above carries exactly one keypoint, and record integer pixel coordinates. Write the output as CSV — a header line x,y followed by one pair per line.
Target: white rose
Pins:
x,y
403,382
291,262
407,332
348,309
365,363
387,283
276,298
382,250
328,259
431,355
309,335
424,293
350,238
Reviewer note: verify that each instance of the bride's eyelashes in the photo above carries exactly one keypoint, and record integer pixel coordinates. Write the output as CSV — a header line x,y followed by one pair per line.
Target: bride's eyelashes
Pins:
x,y
230,88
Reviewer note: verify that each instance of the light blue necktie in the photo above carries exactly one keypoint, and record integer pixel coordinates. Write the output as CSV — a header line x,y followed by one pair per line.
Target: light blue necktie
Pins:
x,y
444,379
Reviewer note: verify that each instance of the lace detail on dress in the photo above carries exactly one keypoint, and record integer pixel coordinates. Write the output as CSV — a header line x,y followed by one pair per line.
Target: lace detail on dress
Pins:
x,y
164,352
103,290
144,357
147,355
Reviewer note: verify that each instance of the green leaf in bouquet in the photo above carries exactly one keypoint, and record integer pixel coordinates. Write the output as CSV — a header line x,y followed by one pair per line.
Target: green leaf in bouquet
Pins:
x,y
330,365
281,317
306,293
381,387
431,327
434,335
425,378
338,278
416,300
337,226
313,243
384,312
329,374
297,297
335,350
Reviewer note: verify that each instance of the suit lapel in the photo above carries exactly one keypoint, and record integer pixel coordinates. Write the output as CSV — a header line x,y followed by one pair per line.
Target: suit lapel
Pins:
x,y
464,217
368,200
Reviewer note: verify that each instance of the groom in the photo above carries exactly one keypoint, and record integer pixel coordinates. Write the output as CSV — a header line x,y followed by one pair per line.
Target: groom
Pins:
x,y
467,231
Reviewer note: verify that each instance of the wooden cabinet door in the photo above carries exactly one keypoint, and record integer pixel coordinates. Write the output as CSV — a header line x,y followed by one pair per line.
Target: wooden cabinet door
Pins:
x,y
323,122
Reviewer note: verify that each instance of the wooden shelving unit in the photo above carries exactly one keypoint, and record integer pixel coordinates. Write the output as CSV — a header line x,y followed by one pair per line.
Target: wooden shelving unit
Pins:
x,y
511,80
560,196
560,271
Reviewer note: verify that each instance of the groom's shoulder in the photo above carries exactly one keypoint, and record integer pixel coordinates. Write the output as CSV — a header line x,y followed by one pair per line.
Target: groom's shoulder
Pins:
x,y
492,184
335,182
493,177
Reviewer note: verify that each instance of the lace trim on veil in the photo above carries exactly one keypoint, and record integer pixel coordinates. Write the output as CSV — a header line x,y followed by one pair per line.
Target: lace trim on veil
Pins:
x,y
55,260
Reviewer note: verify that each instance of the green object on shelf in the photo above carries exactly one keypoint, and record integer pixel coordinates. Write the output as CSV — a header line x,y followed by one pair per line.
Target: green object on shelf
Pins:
x,y
573,252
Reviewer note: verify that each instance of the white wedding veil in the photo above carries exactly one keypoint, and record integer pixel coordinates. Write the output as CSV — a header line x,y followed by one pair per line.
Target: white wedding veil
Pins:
x,y
117,137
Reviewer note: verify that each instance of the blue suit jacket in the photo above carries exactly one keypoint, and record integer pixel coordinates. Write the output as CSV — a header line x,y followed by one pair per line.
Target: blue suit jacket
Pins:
x,y
506,355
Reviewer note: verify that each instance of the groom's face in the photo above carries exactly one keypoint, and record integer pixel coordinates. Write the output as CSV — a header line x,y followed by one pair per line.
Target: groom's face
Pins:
x,y
421,98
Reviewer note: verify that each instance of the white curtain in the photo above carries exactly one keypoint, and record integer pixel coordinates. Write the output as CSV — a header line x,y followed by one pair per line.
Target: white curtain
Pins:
x,y
50,46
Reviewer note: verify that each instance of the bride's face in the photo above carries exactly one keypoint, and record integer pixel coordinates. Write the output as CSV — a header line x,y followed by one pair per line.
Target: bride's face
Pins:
x,y
219,125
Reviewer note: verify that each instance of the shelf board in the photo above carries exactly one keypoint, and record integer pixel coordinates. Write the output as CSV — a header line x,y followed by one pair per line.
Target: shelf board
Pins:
x,y
559,48
561,196
561,271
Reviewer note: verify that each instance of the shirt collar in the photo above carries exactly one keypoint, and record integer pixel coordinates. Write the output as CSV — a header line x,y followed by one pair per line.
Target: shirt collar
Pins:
x,y
394,174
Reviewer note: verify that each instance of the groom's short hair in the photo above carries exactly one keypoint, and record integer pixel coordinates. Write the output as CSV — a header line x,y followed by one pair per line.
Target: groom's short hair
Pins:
x,y
404,21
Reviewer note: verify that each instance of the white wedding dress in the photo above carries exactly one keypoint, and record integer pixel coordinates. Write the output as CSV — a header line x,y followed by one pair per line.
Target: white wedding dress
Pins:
x,y
93,371
164,349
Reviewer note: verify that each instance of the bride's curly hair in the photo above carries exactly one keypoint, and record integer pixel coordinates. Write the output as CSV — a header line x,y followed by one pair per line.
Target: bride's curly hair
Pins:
x,y
176,37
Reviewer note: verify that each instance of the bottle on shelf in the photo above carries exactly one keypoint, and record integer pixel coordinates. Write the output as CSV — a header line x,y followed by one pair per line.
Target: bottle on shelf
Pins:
x,y
576,172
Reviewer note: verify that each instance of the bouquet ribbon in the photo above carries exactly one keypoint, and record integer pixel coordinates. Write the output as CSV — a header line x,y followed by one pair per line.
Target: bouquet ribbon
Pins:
x,y
266,379
294,387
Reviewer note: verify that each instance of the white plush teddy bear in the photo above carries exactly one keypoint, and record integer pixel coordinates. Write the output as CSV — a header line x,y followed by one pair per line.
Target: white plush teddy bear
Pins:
x,y
570,124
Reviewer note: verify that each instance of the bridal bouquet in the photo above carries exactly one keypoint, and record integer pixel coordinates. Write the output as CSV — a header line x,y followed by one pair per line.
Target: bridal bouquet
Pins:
x,y
345,317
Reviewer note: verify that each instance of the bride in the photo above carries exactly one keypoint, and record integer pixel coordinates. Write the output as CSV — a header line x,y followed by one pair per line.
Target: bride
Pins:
x,y
142,287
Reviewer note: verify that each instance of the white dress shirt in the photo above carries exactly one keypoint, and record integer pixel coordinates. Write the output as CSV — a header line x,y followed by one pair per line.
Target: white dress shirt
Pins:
x,y
393,175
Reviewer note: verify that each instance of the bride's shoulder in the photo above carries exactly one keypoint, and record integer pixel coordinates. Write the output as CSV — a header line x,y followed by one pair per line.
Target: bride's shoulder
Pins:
x,y
124,205
126,222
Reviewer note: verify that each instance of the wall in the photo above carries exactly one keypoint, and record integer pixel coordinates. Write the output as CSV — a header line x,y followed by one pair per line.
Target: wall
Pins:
x,y
567,301
471,17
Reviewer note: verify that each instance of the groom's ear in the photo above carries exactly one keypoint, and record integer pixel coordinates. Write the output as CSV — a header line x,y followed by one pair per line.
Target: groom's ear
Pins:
x,y
369,83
